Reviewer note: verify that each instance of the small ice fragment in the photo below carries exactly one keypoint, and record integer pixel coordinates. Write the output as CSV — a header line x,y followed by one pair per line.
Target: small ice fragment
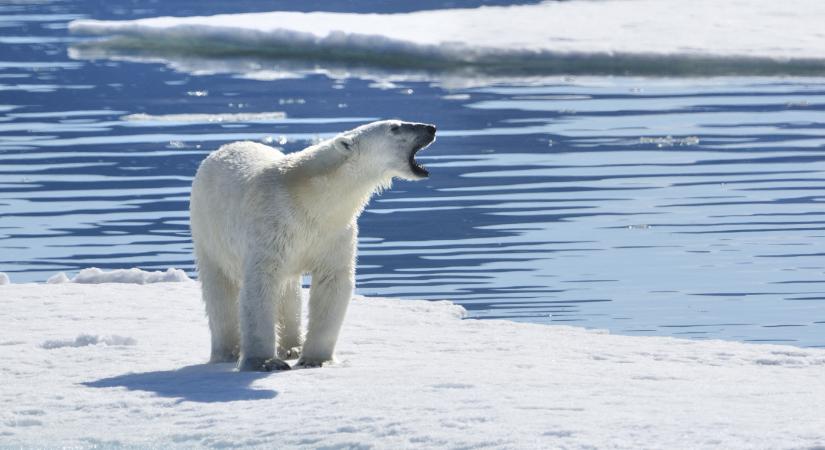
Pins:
x,y
670,141
290,101
269,140
798,104
58,278
383,85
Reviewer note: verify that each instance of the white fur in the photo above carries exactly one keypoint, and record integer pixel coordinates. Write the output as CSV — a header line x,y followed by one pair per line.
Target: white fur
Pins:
x,y
260,219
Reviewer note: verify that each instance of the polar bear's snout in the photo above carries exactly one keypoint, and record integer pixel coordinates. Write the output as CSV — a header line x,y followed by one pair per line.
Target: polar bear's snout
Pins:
x,y
424,132
427,132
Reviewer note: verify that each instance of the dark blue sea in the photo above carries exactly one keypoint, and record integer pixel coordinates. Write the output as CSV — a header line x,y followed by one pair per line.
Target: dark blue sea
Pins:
x,y
646,205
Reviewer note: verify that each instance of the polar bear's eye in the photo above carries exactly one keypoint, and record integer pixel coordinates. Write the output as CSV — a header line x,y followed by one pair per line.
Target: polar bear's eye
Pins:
x,y
394,128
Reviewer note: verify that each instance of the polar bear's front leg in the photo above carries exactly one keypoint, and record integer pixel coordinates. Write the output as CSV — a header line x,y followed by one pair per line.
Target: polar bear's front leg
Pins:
x,y
289,320
329,297
259,295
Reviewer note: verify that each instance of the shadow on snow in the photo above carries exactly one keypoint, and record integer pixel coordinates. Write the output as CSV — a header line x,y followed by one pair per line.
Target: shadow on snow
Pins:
x,y
206,383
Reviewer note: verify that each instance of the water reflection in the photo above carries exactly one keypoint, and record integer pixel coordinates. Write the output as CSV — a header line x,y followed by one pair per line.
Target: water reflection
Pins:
x,y
675,207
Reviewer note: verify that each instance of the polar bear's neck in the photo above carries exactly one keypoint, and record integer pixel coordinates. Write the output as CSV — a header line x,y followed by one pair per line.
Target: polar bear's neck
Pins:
x,y
332,193
338,197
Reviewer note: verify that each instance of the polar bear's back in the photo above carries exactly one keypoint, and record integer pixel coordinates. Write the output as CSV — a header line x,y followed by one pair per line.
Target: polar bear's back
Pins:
x,y
244,158
219,192
228,172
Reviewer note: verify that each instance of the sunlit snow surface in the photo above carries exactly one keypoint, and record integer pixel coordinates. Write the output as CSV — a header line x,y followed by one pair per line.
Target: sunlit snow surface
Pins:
x,y
114,365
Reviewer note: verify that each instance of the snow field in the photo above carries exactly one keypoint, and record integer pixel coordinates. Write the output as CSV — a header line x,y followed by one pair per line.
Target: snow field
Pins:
x,y
114,365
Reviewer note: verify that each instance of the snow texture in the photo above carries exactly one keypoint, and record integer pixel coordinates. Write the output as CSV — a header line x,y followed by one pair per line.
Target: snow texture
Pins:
x,y
93,275
88,339
752,36
410,374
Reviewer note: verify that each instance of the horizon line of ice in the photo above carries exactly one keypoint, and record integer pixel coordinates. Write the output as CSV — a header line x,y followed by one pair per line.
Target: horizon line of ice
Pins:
x,y
635,36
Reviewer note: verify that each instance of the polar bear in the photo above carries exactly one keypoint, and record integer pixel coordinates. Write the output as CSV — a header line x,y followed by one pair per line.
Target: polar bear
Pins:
x,y
261,219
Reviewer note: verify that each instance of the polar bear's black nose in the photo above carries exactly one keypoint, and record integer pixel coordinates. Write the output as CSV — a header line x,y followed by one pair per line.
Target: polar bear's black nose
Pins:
x,y
430,129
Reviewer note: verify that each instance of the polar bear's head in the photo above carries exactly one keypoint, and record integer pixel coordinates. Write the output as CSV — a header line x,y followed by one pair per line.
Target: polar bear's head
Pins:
x,y
388,147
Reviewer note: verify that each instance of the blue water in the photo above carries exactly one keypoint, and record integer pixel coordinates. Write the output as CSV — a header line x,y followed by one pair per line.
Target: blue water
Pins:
x,y
653,206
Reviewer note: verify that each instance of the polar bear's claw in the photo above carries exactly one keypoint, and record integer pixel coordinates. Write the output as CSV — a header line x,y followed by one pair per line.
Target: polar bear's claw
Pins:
x,y
262,365
289,353
309,364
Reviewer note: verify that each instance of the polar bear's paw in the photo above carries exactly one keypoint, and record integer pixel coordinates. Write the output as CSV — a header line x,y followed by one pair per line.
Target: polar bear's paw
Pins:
x,y
308,363
289,353
262,365
224,356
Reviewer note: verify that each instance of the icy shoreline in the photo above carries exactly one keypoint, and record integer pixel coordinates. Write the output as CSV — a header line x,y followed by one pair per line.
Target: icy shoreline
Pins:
x,y
114,365
628,36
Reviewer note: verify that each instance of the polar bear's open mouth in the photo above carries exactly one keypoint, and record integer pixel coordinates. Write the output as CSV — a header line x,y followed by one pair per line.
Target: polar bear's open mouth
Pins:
x,y
415,166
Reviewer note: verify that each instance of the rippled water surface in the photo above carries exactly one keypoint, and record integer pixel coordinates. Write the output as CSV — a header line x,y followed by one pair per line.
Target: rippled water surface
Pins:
x,y
685,207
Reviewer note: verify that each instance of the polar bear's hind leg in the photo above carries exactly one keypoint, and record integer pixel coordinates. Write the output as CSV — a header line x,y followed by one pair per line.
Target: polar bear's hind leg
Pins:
x,y
220,294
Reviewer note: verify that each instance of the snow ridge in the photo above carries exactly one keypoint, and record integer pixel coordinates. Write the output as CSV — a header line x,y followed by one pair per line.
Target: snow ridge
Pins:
x,y
93,275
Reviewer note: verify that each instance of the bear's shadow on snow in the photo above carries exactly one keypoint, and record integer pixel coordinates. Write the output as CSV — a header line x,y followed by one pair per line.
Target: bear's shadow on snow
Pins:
x,y
205,383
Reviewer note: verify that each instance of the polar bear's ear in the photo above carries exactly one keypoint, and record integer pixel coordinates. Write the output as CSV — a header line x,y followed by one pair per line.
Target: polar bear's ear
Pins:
x,y
344,144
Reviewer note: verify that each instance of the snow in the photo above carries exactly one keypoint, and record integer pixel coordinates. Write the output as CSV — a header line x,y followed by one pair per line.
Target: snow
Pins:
x,y
4,279
83,340
93,275
116,365
610,35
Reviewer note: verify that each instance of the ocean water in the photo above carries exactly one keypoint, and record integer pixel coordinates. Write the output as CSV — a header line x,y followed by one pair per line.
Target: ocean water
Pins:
x,y
689,207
